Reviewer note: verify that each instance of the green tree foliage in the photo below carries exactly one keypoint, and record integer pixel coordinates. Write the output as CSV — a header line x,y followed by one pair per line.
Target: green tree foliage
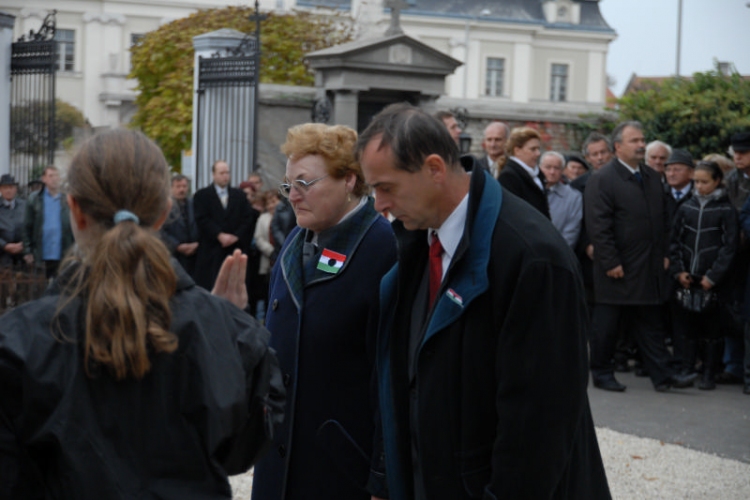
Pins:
x,y
162,63
26,137
699,114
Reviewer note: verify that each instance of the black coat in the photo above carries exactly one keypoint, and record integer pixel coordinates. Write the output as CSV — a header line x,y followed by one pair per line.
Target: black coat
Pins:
x,y
628,225
178,230
195,417
323,327
213,219
704,238
499,392
518,181
11,230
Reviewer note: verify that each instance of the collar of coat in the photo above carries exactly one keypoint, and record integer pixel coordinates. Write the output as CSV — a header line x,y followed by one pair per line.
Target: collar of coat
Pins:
x,y
343,238
466,277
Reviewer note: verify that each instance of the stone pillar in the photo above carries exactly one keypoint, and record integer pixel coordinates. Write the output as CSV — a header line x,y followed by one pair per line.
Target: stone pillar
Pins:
x,y
6,39
345,103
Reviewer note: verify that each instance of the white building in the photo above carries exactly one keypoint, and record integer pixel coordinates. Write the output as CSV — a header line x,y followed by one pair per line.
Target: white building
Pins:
x,y
524,59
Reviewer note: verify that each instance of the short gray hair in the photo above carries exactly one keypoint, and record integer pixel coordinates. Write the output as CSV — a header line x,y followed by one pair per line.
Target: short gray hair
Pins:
x,y
651,145
556,155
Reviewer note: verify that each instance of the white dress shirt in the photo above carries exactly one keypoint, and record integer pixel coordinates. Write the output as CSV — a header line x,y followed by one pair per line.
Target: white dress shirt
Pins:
x,y
450,232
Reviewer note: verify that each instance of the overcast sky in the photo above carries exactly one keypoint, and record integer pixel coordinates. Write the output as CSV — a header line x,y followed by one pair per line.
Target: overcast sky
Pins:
x,y
646,41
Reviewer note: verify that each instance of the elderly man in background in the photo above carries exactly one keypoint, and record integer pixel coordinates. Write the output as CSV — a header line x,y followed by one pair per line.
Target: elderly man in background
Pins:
x,y
657,153
493,143
12,211
565,203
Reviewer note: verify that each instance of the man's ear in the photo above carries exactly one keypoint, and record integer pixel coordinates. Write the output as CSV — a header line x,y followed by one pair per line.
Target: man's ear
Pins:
x,y
435,167
77,215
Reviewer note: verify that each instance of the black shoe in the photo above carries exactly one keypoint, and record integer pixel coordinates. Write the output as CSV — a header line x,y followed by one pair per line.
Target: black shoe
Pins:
x,y
707,382
609,384
728,378
679,381
746,389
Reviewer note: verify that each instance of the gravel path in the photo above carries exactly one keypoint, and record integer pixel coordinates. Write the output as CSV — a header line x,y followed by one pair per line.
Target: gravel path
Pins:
x,y
640,468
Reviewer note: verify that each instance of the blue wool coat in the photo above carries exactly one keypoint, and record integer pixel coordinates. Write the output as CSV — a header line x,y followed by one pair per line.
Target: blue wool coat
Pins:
x,y
323,328
497,405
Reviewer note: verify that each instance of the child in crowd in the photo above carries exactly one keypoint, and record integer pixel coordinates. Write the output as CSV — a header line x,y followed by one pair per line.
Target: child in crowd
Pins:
x,y
704,241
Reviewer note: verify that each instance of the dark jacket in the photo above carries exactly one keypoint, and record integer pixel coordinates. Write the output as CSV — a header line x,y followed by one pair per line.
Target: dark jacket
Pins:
x,y
323,327
518,181
499,391
282,223
704,237
195,417
11,230
212,218
178,230
628,225
34,224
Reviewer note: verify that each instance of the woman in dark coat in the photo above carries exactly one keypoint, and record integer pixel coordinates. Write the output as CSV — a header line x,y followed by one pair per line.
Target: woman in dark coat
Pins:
x,y
521,175
127,380
323,319
704,242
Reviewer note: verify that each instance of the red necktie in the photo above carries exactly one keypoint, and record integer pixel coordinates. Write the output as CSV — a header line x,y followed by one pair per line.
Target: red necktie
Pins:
x,y
436,267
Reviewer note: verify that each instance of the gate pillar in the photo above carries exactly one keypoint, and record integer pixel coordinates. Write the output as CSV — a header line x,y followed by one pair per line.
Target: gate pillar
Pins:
x,y
6,40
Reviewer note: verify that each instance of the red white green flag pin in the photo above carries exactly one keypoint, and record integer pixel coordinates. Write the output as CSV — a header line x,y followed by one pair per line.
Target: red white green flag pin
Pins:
x,y
330,261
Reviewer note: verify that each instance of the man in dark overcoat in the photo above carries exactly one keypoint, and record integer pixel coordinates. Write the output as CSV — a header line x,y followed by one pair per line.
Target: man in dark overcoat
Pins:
x,y
628,224
180,232
224,221
482,387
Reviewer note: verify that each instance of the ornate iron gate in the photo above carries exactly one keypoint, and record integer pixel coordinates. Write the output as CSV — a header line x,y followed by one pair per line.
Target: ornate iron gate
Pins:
x,y
32,101
226,107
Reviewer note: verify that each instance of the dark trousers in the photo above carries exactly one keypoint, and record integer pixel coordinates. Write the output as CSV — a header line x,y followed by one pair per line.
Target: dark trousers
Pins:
x,y
648,333
50,268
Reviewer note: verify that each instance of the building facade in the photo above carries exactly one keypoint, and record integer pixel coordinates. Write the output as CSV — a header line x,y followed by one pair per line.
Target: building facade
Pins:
x,y
523,59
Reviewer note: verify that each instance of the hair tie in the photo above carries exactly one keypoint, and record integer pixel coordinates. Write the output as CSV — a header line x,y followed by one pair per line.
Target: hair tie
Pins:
x,y
123,215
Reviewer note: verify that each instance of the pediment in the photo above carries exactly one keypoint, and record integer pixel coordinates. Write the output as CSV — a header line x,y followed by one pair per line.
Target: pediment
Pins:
x,y
398,53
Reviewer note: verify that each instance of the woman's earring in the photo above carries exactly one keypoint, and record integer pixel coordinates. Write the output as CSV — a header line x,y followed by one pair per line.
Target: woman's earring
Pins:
x,y
349,197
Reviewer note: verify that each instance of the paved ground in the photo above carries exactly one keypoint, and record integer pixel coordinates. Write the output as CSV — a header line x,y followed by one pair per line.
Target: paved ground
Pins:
x,y
716,422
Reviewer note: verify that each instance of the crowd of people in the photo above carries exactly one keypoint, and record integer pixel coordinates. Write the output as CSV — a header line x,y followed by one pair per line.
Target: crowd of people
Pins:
x,y
662,247
395,321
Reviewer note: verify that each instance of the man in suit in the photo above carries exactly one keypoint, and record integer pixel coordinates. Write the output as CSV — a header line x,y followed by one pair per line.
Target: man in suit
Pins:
x,y
628,224
521,175
679,169
222,214
493,143
478,397
180,232
12,210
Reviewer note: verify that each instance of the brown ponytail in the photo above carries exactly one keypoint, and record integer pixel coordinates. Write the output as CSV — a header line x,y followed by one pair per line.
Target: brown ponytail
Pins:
x,y
125,275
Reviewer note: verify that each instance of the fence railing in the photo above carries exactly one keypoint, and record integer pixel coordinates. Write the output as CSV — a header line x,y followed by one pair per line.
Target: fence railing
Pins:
x,y
19,285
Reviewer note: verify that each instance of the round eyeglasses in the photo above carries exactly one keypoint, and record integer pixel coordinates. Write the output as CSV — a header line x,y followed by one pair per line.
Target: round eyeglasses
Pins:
x,y
285,188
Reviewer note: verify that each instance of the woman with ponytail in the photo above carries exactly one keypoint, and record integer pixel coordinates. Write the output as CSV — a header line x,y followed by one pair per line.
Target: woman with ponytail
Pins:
x,y
126,380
